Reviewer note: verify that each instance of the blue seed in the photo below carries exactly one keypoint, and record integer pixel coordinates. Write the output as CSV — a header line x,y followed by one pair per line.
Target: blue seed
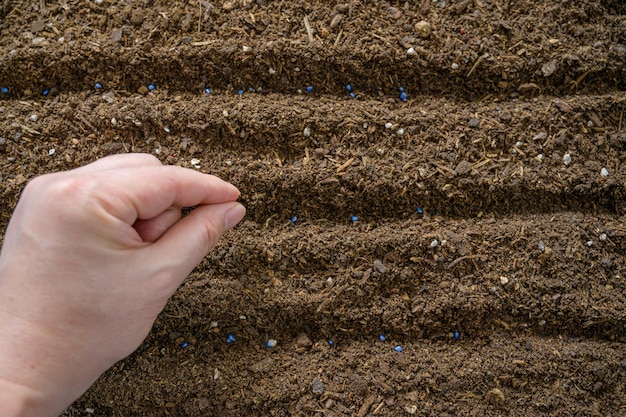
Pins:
x,y
207,90
184,345
240,92
309,89
457,335
331,343
401,89
98,86
271,343
45,92
294,219
5,90
403,96
348,87
398,348
382,337
420,210
352,95
230,338
354,219
152,87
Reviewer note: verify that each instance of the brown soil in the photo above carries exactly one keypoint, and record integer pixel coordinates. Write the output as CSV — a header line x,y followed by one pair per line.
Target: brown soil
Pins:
x,y
529,264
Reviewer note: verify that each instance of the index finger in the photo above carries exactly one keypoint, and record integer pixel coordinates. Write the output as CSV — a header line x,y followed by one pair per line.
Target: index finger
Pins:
x,y
144,192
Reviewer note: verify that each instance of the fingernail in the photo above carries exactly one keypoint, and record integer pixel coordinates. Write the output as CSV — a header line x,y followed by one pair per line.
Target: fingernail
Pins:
x,y
234,215
234,190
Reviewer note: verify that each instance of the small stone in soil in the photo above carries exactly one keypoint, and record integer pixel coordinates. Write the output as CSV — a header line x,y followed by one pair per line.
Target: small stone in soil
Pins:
x,y
604,172
379,266
271,343
567,159
473,122
317,387
423,29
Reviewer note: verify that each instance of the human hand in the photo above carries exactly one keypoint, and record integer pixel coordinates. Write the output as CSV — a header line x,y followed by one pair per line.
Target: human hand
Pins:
x,y
90,257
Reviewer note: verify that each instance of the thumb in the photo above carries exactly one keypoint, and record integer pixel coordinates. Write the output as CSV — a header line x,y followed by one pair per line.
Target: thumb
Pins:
x,y
186,243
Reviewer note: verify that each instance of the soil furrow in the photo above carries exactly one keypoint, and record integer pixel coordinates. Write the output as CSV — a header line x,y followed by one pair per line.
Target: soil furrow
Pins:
x,y
540,376
187,48
190,69
516,274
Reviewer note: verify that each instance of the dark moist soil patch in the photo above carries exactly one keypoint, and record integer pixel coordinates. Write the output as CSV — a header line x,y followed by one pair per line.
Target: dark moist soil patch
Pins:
x,y
490,237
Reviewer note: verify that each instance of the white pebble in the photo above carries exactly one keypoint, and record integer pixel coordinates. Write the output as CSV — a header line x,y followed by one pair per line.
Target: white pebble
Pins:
x,y
541,246
99,1
214,324
410,51
504,280
567,159
434,243
306,132
91,410
114,121
603,237
51,152
246,48
539,157
388,125
400,132
167,129
196,163
271,343
454,66
33,117
272,71
604,172
157,151
519,143
590,243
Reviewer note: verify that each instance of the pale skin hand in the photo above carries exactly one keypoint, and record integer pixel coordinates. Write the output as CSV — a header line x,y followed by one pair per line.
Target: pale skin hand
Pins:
x,y
89,260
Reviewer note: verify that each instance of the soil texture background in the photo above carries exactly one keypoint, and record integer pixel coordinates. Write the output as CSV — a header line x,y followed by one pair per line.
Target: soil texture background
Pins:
x,y
477,222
